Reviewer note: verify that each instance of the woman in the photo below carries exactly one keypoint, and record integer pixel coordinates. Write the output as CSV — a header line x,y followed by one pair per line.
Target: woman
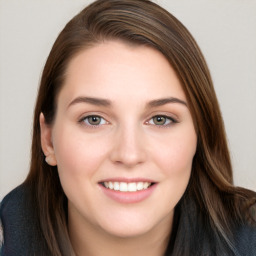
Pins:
x,y
129,154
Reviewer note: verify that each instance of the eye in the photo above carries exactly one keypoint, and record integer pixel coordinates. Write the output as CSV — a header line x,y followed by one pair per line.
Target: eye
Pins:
x,y
93,120
161,120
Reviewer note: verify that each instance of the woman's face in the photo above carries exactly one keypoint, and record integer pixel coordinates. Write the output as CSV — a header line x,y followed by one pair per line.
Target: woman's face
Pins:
x,y
123,139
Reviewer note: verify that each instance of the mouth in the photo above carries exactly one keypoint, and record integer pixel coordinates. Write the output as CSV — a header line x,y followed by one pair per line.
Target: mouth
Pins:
x,y
128,191
127,186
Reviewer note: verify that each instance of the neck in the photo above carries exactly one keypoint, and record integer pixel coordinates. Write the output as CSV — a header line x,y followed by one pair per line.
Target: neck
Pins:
x,y
91,241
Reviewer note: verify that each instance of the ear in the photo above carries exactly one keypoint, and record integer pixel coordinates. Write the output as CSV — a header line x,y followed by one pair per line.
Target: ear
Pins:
x,y
46,141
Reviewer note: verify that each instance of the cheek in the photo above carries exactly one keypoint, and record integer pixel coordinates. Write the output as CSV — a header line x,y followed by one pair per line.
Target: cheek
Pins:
x,y
78,154
175,162
176,155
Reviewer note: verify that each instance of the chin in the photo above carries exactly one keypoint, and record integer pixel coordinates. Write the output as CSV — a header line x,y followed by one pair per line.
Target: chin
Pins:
x,y
131,225
127,232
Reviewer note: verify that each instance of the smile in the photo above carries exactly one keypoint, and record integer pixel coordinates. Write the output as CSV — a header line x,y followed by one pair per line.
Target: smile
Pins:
x,y
126,186
128,191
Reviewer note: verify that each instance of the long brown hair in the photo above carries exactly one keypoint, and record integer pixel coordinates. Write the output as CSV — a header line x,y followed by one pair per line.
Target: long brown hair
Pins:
x,y
213,203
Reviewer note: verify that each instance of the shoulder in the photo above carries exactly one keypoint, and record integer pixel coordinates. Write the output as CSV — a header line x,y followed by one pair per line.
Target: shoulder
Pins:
x,y
245,239
21,231
14,206
13,199
12,216
1,235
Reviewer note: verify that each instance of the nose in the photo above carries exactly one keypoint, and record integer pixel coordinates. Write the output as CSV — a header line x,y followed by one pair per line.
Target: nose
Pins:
x,y
129,147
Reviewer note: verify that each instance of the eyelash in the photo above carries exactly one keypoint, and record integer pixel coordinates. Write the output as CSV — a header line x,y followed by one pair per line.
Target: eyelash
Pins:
x,y
86,122
168,119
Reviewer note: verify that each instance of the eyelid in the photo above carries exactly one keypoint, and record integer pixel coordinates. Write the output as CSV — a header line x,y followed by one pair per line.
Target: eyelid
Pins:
x,y
169,117
82,119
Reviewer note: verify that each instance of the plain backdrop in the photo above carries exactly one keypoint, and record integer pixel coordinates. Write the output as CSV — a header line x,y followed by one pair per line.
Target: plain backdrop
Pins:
x,y
224,29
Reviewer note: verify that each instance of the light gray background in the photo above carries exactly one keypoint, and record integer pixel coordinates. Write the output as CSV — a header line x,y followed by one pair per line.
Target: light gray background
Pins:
x,y
224,29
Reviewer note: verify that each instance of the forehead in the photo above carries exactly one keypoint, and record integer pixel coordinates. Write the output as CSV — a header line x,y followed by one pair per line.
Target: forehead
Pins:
x,y
114,69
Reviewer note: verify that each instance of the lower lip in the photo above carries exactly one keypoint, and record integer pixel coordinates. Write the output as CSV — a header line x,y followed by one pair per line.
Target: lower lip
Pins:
x,y
128,197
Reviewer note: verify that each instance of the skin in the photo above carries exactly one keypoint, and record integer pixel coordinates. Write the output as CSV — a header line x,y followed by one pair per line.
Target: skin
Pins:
x,y
127,143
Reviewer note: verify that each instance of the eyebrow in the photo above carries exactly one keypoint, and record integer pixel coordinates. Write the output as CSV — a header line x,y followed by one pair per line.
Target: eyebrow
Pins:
x,y
107,103
91,100
161,102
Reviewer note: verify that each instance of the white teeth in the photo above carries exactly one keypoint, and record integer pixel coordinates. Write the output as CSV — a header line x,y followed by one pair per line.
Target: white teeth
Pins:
x,y
146,185
123,186
126,187
110,185
132,187
139,185
116,186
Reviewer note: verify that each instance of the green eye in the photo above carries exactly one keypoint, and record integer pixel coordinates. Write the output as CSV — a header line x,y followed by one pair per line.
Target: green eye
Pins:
x,y
161,120
93,120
